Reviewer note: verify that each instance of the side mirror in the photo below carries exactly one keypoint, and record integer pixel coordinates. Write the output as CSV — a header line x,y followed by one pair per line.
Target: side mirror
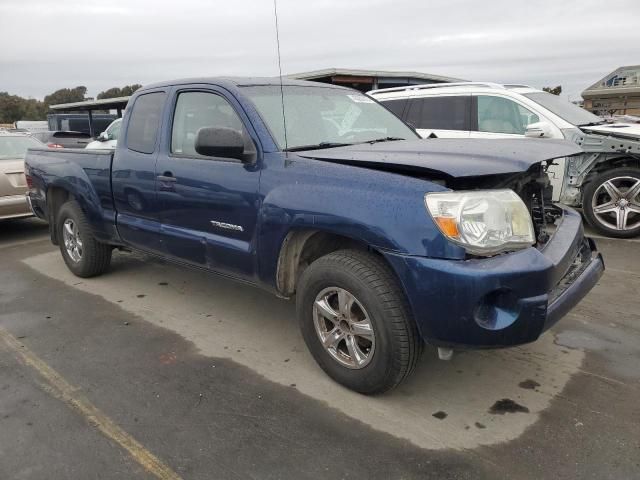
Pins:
x,y
103,137
538,130
220,142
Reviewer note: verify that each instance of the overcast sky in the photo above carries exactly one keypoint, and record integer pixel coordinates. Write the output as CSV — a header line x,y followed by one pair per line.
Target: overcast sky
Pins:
x,y
51,44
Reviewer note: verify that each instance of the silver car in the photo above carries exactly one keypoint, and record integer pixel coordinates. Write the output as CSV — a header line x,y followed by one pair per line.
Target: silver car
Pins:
x,y
13,185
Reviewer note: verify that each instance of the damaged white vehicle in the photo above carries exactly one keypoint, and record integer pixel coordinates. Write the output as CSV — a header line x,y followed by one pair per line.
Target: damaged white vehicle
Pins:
x,y
604,181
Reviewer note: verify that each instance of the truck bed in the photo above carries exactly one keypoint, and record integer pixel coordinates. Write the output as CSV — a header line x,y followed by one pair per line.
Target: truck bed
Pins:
x,y
90,173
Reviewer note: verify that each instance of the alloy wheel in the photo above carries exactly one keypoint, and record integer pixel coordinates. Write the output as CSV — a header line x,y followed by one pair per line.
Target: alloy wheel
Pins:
x,y
72,240
344,327
616,203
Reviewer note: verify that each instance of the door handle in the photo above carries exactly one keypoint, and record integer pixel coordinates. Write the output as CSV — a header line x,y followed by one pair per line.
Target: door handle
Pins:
x,y
167,177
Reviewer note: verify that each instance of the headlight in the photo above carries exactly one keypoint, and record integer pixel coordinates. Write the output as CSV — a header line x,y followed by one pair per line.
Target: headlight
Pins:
x,y
484,222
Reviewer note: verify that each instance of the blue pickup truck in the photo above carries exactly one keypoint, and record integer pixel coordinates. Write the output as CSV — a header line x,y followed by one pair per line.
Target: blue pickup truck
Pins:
x,y
387,241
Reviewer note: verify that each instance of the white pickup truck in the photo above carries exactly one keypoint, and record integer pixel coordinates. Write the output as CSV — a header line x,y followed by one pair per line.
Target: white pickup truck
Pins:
x,y
604,181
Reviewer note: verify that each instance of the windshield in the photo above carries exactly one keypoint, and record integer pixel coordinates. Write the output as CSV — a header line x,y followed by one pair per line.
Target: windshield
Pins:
x,y
564,109
321,116
12,147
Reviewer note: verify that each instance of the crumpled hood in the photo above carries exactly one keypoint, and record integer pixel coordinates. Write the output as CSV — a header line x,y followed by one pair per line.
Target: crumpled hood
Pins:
x,y
454,157
623,130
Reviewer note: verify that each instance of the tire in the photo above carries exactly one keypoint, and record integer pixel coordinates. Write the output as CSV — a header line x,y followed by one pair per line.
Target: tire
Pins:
x,y
596,194
393,348
90,257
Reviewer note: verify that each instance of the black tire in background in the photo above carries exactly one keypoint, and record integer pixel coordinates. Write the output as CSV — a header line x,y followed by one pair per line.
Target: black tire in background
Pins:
x,y
595,195
95,257
374,286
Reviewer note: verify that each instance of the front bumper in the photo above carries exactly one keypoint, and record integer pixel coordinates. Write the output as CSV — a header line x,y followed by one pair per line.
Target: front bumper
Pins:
x,y
504,300
14,206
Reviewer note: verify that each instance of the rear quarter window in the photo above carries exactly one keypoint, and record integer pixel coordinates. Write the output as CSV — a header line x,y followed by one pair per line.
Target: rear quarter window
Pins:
x,y
142,131
440,113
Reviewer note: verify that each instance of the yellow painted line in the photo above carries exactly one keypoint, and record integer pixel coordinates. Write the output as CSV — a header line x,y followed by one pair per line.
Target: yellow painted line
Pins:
x,y
58,387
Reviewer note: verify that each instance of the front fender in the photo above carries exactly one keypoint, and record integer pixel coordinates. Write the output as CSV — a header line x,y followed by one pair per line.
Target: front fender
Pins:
x,y
380,209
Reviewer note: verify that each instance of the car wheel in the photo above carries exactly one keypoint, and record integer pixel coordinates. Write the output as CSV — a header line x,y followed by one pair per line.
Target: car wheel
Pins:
x,y
83,254
356,321
611,202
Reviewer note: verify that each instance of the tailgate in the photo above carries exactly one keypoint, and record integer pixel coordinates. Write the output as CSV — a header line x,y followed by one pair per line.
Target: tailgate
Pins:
x,y
12,180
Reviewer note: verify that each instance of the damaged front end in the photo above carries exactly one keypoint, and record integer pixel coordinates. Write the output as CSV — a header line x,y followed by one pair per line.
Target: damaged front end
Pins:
x,y
469,164
532,186
509,298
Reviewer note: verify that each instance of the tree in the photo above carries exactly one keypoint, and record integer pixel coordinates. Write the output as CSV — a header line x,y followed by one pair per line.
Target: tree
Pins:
x,y
114,92
10,108
34,110
555,90
14,107
66,95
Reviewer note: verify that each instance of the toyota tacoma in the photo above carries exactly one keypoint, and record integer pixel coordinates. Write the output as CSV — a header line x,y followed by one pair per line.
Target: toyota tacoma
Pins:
x,y
386,241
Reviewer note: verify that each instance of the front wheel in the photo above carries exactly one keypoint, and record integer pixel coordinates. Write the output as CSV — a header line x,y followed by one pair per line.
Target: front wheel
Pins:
x,y
356,321
611,202
83,254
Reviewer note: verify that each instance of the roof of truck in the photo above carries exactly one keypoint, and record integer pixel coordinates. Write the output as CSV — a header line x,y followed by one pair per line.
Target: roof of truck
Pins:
x,y
239,82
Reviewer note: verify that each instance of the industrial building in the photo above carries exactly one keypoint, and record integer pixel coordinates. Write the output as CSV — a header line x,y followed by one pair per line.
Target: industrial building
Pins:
x,y
365,80
618,93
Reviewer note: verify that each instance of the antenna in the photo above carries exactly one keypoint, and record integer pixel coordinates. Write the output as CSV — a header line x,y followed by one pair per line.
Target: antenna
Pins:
x,y
284,118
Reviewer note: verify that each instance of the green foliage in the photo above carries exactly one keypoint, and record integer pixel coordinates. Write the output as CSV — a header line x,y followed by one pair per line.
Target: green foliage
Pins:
x,y
66,95
115,92
555,90
14,107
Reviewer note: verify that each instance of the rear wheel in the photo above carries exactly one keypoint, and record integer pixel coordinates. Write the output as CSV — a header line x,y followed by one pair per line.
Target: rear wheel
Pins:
x,y
611,202
356,322
83,254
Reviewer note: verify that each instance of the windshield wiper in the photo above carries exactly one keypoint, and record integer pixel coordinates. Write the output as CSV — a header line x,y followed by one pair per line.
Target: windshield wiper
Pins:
x,y
593,124
317,146
384,139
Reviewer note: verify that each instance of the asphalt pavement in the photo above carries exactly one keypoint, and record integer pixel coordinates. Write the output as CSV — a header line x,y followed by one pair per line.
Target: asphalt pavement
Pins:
x,y
155,371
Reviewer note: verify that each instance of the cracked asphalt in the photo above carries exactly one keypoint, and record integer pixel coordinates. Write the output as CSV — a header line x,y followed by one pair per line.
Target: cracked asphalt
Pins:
x,y
153,371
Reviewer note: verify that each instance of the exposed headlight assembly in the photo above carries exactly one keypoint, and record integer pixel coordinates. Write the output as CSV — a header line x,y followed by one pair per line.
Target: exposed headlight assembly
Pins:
x,y
484,222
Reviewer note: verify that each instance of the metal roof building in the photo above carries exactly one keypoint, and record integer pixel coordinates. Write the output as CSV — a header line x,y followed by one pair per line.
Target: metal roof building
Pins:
x,y
618,93
89,107
118,103
365,80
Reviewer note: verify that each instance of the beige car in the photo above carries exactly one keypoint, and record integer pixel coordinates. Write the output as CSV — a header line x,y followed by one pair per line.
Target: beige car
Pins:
x,y
13,185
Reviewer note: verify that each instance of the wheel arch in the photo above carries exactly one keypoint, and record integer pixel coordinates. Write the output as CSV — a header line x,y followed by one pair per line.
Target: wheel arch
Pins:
x,y
56,197
303,246
609,163
101,221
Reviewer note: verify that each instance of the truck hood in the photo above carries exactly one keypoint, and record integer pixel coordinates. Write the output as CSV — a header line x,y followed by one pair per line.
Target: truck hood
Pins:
x,y
622,130
452,157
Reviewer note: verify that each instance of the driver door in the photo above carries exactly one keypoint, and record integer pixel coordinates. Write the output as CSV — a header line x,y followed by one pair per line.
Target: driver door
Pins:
x,y
207,205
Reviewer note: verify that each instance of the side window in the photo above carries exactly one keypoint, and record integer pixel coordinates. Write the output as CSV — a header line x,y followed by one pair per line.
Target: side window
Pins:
x,y
396,106
144,123
113,132
501,115
195,110
440,113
